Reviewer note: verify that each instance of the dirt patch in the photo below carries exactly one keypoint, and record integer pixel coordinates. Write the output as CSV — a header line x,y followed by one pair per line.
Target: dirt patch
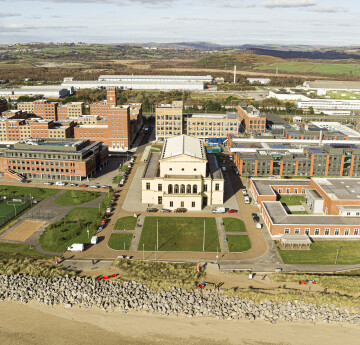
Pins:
x,y
23,231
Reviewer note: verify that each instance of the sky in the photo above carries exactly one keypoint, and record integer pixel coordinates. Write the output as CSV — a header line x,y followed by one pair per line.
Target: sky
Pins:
x,y
310,22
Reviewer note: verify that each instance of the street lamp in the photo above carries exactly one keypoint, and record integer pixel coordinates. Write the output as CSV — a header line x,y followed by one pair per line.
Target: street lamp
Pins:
x,y
87,230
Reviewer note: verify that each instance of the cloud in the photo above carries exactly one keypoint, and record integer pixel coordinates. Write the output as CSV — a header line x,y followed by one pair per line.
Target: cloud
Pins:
x,y
236,5
288,3
8,14
26,27
328,9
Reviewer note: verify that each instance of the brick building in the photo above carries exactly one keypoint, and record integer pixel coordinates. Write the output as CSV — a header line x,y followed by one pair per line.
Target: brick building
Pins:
x,y
251,119
72,109
169,120
52,159
45,109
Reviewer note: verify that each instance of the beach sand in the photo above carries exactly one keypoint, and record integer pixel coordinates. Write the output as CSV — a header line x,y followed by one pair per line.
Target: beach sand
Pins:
x,y
36,324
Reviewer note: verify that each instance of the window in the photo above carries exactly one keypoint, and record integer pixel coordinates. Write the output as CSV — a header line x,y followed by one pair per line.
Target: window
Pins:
x,y
159,200
193,204
159,187
188,189
337,232
205,187
170,189
182,169
303,191
287,190
147,185
217,186
348,213
170,169
280,190
182,189
317,231
171,203
287,231
327,232
182,204
347,232
356,232
176,188
296,191
307,231
194,188
297,231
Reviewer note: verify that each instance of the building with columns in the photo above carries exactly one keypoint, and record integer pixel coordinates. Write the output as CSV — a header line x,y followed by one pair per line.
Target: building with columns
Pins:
x,y
183,175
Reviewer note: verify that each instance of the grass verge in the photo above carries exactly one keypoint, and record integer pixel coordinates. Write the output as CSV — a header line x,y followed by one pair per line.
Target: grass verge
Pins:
x,y
76,197
117,241
125,223
238,243
25,192
234,225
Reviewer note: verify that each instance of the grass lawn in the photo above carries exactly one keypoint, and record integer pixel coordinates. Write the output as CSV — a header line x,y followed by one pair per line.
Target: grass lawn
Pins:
x,y
324,253
19,191
125,223
117,179
116,241
10,210
238,243
11,249
104,203
76,197
180,234
72,229
299,212
291,199
123,168
234,225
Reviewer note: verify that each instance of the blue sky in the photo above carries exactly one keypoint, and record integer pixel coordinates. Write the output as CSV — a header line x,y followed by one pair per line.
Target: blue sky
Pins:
x,y
315,22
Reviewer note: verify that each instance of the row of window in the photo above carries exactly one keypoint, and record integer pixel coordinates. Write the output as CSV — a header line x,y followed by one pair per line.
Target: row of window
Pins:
x,y
176,189
326,232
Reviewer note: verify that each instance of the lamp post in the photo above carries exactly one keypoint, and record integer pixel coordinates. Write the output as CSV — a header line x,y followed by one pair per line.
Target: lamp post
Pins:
x,y
87,230
14,209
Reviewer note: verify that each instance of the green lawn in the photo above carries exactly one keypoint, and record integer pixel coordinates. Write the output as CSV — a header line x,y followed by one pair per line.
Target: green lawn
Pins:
x,y
238,243
180,234
117,179
76,197
291,199
72,229
234,225
324,253
123,168
19,191
116,241
299,212
11,249
10,210
104,203
125,223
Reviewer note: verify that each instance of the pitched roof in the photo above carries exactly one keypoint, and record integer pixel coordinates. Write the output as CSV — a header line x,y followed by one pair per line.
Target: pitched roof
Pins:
x,y
183,144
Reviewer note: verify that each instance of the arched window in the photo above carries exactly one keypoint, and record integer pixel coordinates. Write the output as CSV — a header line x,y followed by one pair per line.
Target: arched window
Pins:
x,y
176,188
170,189
182,188
188,189
194,188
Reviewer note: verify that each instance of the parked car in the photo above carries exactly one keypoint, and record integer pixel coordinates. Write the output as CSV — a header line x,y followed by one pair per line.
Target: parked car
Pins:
x,y
94,186
83,185
218,210
108,209
60,183
244,191
48,183
232,211
151,209
255,217
101,226
258,225
164,210
247,199
105,186
73,184
103,221
180,210
94,240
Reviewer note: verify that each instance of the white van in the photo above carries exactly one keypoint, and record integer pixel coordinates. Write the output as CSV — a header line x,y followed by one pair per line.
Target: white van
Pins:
x,y
247,199
218,210
94,240
258,225
76,247
60,183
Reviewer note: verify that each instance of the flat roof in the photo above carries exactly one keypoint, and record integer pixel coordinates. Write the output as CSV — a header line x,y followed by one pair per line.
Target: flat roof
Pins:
x,y
340,189
183,144
264,186
315,194
232,116
167,77
152,165
334,84
278,215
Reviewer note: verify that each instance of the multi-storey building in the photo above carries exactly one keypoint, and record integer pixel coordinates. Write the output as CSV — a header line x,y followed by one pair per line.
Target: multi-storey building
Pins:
x,y
52,159
26,106
183,175
209,126
334,207
45,109
72,109
169,120
251,119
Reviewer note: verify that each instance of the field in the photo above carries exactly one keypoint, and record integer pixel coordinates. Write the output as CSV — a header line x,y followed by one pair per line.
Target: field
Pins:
x,y
238,243
290,200
76,197
23,231
72,229
117,241
25,192
14,249
234,225
125,223
11,209
324,253
179,234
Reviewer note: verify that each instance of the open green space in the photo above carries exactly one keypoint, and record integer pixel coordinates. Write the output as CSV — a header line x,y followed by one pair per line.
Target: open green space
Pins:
x,y
238,243
76,197
125,223
104,202
291,199
12,249
123,168
324,253
234,225
299,212
179,234
11,209
25,192
117,179
120,241
72,229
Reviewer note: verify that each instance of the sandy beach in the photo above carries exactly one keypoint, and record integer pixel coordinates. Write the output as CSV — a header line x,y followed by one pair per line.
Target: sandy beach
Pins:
x,y
37,324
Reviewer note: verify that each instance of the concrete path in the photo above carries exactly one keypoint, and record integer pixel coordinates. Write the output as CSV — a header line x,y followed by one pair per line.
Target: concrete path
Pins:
x,y
137,234
123,232
132,201
236,233
224,247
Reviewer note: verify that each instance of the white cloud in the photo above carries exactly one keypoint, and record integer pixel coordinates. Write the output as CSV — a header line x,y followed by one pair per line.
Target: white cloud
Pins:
x,y
288,3
328,9
26,27
8,14
236,5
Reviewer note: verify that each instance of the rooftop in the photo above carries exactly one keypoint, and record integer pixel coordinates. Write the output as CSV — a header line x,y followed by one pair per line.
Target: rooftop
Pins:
x,y
340,189
334,84
230,116
183,144
154,77
264,186
152,165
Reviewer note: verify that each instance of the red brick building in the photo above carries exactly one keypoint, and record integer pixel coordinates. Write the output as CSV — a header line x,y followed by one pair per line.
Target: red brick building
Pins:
x,y
45,109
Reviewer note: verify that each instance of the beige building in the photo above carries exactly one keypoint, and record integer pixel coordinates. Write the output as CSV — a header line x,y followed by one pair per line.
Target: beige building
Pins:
x,y
213,125
183,175
169,120
26,106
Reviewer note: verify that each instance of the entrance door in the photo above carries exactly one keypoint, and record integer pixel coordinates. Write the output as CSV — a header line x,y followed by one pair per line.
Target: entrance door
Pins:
x,y
205,200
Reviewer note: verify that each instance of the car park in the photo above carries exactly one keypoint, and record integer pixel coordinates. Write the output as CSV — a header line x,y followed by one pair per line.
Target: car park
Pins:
x,y
164,210
151,209
180,210
232,211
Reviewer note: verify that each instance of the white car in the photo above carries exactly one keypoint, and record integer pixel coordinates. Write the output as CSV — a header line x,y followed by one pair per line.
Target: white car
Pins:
x,y
247,199
60,183
94,186
258,225
94,240
47,183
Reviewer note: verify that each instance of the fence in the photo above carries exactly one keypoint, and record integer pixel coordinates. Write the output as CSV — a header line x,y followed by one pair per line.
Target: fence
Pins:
x,y
41,214
11,209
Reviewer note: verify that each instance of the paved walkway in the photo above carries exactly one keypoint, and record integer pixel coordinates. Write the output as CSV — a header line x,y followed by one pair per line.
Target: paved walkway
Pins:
x,y
224,247
137,234
237,233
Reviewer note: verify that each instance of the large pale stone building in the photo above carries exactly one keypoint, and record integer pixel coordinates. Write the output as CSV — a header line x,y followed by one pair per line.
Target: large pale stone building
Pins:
x,y
183,175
